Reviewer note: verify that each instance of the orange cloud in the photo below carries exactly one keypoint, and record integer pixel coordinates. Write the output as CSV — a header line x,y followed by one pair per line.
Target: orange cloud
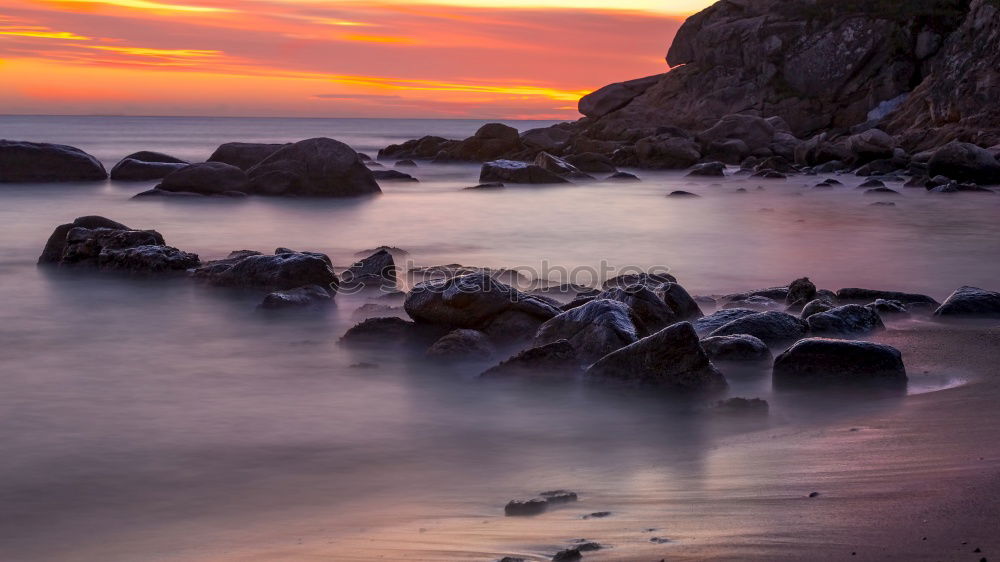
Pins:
x,y
149,5
41,32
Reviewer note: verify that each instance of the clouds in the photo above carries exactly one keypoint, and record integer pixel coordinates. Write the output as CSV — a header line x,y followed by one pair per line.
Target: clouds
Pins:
x,y
304,57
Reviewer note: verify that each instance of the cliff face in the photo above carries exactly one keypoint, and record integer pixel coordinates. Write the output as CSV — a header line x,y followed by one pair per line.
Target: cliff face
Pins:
x,y
820,65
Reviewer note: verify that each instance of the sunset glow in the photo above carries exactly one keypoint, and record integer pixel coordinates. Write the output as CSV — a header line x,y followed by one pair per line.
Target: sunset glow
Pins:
x,y
393,58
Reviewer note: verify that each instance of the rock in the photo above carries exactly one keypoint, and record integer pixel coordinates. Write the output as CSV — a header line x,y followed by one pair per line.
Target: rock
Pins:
x,y
595,329
487,186
870,145
720,318
592,163
884,307
822,363
671,359
756,302
490,142
424,147
555,497
965,162
871,184
279,272
510,171
679,300
754,131
378,269
597,515
776,293
730,151
651,281
815,307
708,169
801,291
145,259
622,176
650,309
134,170
736,348
107,245
970,302
32,162
392,175
558,166
471,301
883,204
667,152
206,178
847,320
881,191
151,156
390,330
864,296
405,163
551,139
55,246
519,508
742,406
773,328
310,295
318,167
615,96
557,358
244,155
568,555
462,344
683,194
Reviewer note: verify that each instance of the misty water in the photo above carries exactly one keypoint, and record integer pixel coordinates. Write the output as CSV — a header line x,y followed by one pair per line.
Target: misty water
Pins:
x,y
166,417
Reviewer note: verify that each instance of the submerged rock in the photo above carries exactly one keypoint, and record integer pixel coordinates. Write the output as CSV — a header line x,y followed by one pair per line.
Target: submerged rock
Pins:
x,y
511,171
205,178
310,295
847,320
244,155
594,329
519,508
742,406
280,272
557,358
33,162
965,162
679,300
650,309
970,302
865,296
773,328
708,169
720,318
378,269
393,175
740,347
801,291
471,301
671,359
107,245
823,362
462,344
815,307
133,168
319,167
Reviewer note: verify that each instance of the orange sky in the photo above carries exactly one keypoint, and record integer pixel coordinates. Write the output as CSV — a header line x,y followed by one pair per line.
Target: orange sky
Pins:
x,y
385,58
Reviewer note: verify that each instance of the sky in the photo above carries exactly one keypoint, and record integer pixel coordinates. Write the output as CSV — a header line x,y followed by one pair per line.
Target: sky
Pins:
x,y
512,59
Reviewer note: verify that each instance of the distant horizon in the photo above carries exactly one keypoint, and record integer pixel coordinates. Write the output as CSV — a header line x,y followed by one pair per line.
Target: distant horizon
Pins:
x,y
507,59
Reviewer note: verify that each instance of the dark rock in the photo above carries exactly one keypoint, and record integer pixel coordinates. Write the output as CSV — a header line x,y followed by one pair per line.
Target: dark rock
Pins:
x,y
424,147
568,555
865,296
393,175
970,302
559,166
244,155
847,320
742,406
487,186
378,269
884,307
870,145
491,141
592,163
651,281
615,96
130,169
310,295
815,307
755,302
557,358
390,330
206,178
873,183
111,246
280,272
754,131
708,169
720,318
881,191
650,309
773,328
319,167
145,259
518,508
883,204
32,162
150,156
555,497
511,171
597,515
965,162
512,326
682,194
471,301
56,244
594,329
741,347
462,344
801,290
823,362
776,293
667,152
405,163
623,176
679,300
671,358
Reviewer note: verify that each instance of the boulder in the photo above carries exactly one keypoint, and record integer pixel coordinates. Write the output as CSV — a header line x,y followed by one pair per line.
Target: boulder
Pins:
x,y
244,155
144,259
679,300
378,269
425,147
151,156
279,272
823,363
462,344
683,195
720,318
615,96
884,307
970,302
471,301
404,163
595,329
667,152
205,178
592,163
965,162
390,330
651,281
310,295
107,245
559,166
318,167
33,162
56,244
847,320
392,175
873,144
756,302
740,347
511,171
547,138
801,291
815,307
865,296
556,358
650,309
708,169
491,141
671,359
773,328
130,169
754,131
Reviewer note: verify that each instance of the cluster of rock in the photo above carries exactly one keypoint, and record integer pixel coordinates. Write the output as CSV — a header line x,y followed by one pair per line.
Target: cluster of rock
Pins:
x,y
782,86
290,278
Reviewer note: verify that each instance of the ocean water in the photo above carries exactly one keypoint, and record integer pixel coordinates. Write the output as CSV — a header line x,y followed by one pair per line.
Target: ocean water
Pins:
x,y
146,419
